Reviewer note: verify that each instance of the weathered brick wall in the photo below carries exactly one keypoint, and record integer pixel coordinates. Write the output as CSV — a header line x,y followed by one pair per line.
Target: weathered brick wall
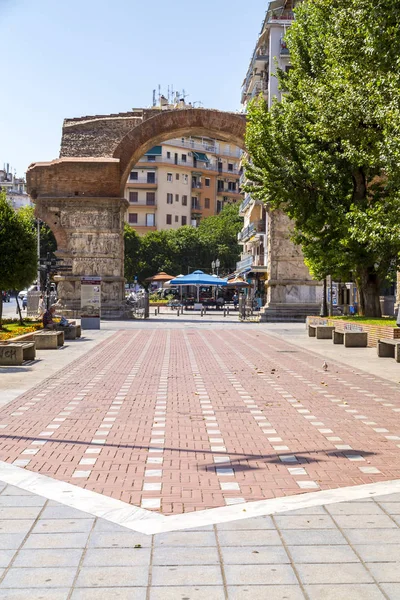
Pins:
x,y
375,332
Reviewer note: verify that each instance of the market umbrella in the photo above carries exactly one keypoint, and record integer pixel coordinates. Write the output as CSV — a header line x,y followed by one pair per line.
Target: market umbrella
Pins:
x,y
198,278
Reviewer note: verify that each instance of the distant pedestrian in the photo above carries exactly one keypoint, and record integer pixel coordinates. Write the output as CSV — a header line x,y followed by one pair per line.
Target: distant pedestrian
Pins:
x,y
235,300
41,306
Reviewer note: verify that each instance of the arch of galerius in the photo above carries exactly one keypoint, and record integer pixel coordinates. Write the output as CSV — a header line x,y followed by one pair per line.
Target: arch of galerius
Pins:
x,y
81,197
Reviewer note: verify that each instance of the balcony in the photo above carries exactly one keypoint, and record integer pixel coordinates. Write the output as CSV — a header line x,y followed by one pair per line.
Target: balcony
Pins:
x,y
196,185
245,204
255,228
281,15
142,203
196,207
142,180
245,263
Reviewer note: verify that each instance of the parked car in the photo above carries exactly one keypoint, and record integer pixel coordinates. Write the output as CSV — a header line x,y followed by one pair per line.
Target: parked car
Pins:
x,y
22,293
6,296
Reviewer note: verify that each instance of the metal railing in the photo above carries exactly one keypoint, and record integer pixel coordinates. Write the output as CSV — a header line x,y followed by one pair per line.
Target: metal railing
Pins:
x,y
252,229
142,179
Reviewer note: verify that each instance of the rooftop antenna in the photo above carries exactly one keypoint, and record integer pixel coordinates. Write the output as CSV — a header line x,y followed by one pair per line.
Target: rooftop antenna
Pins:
x,y
154,98
159,92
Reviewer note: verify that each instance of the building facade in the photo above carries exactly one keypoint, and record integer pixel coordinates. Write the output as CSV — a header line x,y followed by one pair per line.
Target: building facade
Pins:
x,y
269,258
15,188
182,181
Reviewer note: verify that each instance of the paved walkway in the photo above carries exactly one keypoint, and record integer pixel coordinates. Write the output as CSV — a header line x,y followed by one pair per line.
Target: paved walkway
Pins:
x,y
183,417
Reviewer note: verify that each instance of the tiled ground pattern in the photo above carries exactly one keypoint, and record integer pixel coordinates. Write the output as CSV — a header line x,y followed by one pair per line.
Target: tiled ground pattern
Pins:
x,y
179,420
345,551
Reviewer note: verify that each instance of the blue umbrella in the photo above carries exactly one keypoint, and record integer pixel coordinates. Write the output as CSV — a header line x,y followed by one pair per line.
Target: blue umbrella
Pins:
x,y
198,278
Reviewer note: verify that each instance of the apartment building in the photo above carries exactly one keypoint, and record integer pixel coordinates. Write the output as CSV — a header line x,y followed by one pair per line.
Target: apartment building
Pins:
x,y
15,188
182,181
269,259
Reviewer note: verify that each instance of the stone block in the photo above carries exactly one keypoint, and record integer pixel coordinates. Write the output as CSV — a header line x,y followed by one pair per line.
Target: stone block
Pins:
x,y
324,332
355,339
11,354
46,340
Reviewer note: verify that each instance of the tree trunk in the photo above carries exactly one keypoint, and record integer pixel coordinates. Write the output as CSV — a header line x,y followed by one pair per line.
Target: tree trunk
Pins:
x,y
1,309
19,309
369,291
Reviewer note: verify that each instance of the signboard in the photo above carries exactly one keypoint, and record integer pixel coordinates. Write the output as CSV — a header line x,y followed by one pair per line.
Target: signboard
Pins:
x,y
90,297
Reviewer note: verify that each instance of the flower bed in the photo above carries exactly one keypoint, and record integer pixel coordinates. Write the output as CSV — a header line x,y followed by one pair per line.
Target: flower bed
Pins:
x,y
375,332
13,331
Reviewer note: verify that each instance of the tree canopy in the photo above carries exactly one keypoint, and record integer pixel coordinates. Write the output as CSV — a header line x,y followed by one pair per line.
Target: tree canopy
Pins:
x,y
184,249
329,154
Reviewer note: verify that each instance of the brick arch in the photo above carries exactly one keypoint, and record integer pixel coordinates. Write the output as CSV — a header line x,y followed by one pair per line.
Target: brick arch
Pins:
x,y
229,127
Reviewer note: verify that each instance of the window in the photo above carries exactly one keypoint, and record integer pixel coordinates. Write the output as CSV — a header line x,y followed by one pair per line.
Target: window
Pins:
x,y
150,220
169,219
150,198
134,176
220,186
207,182
170,198
169,176
184,220
185,179
151,177
133,196
232,186
220,166
151,158
168,154
132,217
184,200
176,218
177,176
230,167
176,197
184,157
207,203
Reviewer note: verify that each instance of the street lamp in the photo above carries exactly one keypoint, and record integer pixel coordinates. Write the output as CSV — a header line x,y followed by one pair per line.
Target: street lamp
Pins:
x,y
217,264
213,265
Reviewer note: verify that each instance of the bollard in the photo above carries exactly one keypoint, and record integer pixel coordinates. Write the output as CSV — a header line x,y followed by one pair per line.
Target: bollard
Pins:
x,y
224,312
227,310
201,312
177,312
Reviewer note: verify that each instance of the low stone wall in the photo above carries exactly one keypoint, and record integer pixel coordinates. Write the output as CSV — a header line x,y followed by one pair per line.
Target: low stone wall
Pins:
x,y
375,332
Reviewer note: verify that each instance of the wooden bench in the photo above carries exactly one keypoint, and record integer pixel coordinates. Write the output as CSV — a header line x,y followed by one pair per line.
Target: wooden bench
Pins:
x,y
48,340
15,353
321,332
350,339
389,349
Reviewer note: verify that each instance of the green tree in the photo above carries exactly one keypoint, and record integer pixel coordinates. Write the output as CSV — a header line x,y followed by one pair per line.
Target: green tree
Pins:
x,y
132,253
18,262
218,235
328,154
48,244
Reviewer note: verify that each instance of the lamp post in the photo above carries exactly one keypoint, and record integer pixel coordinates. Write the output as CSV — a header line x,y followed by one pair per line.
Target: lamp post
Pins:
x,y
213,265
217,264
38,255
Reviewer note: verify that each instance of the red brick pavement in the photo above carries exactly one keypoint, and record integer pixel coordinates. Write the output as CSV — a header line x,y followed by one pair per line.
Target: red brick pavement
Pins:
x,y
187,420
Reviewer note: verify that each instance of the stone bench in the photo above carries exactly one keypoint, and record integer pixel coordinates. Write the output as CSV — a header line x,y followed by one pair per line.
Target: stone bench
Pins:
x,y
16,353
351,339
71,332
321,332
389,349
48,340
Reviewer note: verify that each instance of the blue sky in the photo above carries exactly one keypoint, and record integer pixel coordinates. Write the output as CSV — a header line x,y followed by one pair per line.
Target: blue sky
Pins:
x,y
68,58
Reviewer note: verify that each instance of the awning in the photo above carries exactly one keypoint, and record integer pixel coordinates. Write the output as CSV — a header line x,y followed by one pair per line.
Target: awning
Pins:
x,y
201,156
155,150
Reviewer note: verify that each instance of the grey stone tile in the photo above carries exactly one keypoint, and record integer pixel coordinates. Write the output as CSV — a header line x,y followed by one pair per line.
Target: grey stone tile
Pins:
x,y
184,575
56,540
63,526
2,486
354,508
99,577
249,538
344,592
365,522
333,573
393,508
185,538
114,593
312,510
373,536
8,541
14,501
270,592
48,557
5,558
379,552
246,524
19,512
168,555
35,594
184,593
313,537
305,522
392,590
323,554
388,498
128,539
250,556
387,572
16,526
117,557
102,525
64,512
254,575
11,490
39,578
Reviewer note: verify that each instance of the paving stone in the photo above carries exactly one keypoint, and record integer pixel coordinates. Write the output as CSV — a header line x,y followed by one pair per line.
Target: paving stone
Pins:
x,y
20,512
35,594
392,507
39,578
15,501
270,592
254,575
63,512
247,524
172,555
63,525
6,557
183,575
112,576
16,526
210,592
344,592
373,536
313,537
48,558
185,539
11,490
392,590
10,541
114,593
57,540
249,538
379,552
304,522
260,556
117,557
119,540
322,554
354,508
364,522
333,573
388,572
